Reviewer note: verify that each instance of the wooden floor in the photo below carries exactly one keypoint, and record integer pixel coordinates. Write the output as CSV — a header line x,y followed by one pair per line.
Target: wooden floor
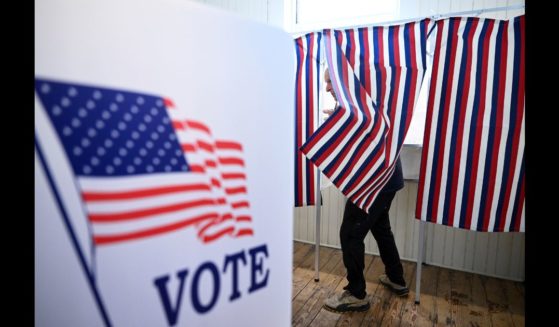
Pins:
x,y
448,297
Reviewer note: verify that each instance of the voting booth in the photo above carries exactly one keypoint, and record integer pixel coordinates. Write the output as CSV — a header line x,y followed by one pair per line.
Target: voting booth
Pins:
x,y
163,166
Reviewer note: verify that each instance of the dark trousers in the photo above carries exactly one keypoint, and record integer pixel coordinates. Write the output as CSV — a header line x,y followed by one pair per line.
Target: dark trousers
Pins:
x,y
355,226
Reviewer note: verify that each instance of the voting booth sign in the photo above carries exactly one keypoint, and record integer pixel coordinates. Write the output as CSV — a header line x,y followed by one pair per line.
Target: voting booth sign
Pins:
x,y
163,166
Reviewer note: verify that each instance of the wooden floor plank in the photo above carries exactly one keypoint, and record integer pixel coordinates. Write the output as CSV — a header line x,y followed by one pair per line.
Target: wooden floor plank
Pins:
x,y
448,297
325,317
303,256
318,291
410,309
298,247
306,272
515,300
393,317
461,298
479,307
443,305
520,288
497,303
302,274
427,308
303,252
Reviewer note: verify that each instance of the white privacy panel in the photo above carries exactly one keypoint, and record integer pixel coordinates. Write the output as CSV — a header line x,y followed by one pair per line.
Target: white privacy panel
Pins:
x,y
491,254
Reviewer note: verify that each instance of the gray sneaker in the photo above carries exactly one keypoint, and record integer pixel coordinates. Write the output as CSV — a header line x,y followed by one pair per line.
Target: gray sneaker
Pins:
x,y
397,289
346,302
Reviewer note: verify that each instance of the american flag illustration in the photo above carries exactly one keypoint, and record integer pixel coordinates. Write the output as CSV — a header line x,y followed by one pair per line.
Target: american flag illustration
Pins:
x,y
472,166
142,168
376,73
223,164
307,87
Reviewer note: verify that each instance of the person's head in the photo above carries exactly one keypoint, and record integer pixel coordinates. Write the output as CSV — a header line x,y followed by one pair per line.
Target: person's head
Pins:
x,y
329,84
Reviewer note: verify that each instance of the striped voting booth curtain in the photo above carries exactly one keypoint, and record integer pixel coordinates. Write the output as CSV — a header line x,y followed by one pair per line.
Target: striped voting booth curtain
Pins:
x,y
307,87
472,166
376,73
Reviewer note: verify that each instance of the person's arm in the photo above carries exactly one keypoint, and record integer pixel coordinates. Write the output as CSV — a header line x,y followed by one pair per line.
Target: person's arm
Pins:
x,y
329,112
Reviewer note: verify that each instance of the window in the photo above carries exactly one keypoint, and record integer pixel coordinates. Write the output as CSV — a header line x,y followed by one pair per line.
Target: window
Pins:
x,y
307,15
417,124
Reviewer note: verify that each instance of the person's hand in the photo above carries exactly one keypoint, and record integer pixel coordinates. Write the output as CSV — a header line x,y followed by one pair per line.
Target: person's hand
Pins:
x,y
328,112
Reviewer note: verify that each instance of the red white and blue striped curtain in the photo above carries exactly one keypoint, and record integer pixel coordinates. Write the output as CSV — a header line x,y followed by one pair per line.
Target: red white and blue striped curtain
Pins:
x,y
472,166
307,87
376,73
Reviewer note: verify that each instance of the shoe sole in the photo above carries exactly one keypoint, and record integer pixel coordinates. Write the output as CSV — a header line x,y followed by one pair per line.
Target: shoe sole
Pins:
x,y
402,294
395,291
344,308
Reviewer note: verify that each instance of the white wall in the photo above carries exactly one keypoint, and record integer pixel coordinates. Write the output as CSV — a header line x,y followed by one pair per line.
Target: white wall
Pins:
x,y
265,11
493,254
419,8
277,12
